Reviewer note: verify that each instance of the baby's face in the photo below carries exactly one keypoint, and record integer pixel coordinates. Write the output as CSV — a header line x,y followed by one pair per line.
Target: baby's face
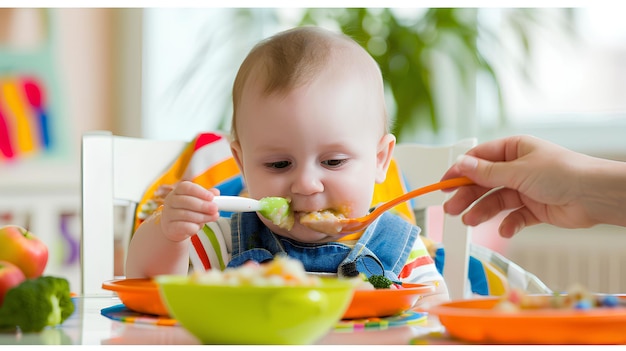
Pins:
x,y
319,145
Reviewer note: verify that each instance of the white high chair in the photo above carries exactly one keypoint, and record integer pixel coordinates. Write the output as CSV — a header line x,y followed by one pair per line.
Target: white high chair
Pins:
x,y
423,165
116,170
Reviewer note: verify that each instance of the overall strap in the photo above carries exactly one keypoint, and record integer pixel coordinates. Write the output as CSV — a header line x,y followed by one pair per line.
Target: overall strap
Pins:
x,y
383,249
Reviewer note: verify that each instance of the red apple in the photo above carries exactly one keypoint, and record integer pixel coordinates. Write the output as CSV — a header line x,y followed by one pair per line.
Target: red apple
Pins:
x,y
23,249
10,276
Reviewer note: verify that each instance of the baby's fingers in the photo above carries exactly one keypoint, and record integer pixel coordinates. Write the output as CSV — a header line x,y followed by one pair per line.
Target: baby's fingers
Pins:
x,y
192,197
187,188
180,230
179,224
186,214
182,203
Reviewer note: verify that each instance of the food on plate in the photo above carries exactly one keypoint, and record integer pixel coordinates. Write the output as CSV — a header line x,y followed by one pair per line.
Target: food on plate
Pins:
x,y
281,271
36,303
324,221
577,297
23,249
375,282
277,210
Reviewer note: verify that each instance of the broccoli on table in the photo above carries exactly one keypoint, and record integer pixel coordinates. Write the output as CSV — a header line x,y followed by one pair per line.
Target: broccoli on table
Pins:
x,y
37,303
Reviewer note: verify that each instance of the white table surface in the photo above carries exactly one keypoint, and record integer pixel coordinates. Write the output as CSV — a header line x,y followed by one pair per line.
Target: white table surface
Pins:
x,y
88,327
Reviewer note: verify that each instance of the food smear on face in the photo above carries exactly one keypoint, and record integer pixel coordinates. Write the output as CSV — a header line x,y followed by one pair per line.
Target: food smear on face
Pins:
x,y
277,210
281,271
324,221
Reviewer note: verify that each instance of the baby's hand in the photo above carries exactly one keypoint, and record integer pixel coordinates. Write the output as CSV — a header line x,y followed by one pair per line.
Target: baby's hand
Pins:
x,y
186,209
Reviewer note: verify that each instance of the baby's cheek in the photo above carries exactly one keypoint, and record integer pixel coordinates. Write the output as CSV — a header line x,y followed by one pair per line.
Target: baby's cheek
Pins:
x,y
362,201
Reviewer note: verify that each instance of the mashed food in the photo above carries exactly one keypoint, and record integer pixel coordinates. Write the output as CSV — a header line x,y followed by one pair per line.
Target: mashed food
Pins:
x,y
325,221
281,271
577,297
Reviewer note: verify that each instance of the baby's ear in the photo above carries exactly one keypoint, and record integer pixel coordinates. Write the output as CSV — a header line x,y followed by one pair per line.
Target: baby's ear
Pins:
x,y
384,152
235,149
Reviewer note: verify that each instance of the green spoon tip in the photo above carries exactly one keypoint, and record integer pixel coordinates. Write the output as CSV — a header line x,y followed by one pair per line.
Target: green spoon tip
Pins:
x,y
277,210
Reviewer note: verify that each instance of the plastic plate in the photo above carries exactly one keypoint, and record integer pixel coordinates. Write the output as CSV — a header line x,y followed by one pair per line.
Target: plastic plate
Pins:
x,y
477,321
385,302
140,295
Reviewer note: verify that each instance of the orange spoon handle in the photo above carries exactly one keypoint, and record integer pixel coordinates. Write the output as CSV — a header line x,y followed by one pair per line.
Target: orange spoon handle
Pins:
x,y
445,184
351,225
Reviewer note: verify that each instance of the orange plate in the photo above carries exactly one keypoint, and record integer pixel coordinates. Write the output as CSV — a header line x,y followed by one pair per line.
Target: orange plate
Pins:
x,y
475,320
385,302
141,295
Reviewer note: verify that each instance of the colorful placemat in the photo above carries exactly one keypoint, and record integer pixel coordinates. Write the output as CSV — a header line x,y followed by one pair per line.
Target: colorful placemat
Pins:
x,y
122,314
405,318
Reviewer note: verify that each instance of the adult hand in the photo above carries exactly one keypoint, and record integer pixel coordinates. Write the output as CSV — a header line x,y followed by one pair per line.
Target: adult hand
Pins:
x,y
538,181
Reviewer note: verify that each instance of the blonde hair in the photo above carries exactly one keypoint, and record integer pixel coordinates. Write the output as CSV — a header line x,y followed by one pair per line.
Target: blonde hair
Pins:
x,y
291,59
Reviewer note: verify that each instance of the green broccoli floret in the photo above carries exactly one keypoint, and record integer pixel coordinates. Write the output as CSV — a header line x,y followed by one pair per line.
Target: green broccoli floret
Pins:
x,y
380,281
37,303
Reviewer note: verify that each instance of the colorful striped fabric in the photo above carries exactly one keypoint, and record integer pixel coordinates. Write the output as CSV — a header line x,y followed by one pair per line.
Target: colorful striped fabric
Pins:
x,y
491,274
515,276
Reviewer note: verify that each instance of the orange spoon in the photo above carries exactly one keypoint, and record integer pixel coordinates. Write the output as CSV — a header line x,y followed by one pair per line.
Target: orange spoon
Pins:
x,y
329,223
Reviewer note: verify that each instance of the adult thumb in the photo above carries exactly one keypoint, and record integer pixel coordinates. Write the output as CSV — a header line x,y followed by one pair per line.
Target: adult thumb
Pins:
x,y
483,172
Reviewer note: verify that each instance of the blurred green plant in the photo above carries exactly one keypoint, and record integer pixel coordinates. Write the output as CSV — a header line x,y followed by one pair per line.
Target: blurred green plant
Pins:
x,y
409,45
404,48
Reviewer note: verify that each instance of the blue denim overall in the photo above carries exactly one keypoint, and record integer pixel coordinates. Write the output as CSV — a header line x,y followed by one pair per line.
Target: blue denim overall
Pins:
x,y
383,248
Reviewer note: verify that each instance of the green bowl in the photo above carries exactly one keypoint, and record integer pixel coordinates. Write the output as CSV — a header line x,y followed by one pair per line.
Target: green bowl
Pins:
x,y
218,314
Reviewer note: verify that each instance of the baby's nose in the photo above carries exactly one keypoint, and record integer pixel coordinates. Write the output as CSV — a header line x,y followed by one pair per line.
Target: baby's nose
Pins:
x,y
306,182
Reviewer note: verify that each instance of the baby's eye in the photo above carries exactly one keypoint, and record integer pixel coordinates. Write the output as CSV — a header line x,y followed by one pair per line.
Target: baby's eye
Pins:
x,y
334,163
278,165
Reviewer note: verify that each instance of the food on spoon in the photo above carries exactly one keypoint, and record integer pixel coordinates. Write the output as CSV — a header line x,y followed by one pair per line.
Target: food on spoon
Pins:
x,y
324,221
277,210
577,297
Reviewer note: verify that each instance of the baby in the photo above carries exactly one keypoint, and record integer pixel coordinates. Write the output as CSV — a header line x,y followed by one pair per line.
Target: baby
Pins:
x,y
309,124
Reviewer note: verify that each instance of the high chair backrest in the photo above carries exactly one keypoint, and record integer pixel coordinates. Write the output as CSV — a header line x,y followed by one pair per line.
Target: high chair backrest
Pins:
x,y
115,170
423,165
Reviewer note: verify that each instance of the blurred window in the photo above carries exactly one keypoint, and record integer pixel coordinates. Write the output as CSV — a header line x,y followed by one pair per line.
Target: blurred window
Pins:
x,y
575,93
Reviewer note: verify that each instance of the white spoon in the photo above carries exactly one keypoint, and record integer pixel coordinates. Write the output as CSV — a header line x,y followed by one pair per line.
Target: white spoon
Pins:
x,y
276,209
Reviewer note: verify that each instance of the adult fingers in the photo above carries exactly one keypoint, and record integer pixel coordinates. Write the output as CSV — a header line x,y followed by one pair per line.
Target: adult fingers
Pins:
x,y
517,220
490,205
489,174
463,198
